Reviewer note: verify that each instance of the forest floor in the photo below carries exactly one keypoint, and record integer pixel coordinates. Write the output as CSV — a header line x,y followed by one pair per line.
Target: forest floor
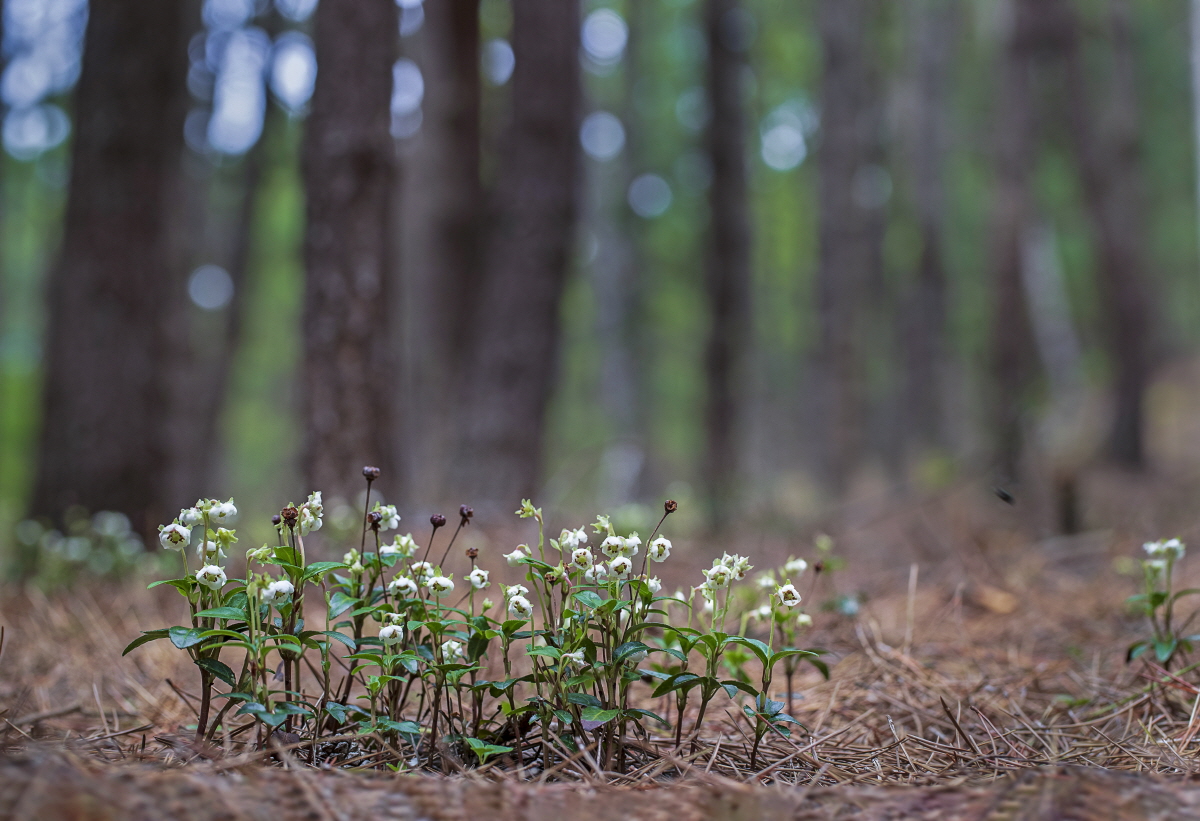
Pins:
x,y
984,677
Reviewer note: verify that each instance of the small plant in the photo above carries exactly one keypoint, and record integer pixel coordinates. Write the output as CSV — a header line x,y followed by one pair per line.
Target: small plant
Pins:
x,y
394,645
1158,601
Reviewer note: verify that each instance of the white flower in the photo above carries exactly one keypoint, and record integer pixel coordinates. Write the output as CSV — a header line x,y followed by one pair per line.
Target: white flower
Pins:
x,y
572,539
404,587
209,551
440,586
309,521
452,650
788,595
391,634
422,571
393,618
1172,548
718,576
222,512
795,567
517,555
766,581
632,542
478,578
277,592
762,613
581,558
190,516
403,546
211,577
174,536
636,657
1157,566
654,584
620,566
738,566
596,575
804,620
515,590
356,568
315,504
659,549
389,519
350,557
487,605
520,607
613,546
575,659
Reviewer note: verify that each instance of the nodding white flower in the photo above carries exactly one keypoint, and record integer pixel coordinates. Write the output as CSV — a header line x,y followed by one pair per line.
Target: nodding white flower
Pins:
x,y
277,592
356,568
804,620
393,618
174,536
571,539
452,650
391,634
478,578
314,503
209,551
762,613
581,558
788,595
680,596
190,516
620,566
632,543
309,521
520,607
795,566
515,590
403,586
211,577
654,584
596,575
403,546
574,659
1157,566
636,657
422,571
659,549
515,558
613,546
389,519
440,586
351,557
738,566
223,511
766,581
708,605
1171,548
718,576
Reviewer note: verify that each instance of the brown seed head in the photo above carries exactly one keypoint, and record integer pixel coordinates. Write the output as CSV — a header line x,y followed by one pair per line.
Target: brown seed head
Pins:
x,y
371,473
466,513
472,553
275,520
374,518
671,506
818,567
437,520
290,515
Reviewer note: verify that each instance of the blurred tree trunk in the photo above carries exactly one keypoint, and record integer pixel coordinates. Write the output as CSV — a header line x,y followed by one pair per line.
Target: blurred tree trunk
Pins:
x,y
850,225
727,274
934,24
115,290
348,167
443,231
1010,344
516,328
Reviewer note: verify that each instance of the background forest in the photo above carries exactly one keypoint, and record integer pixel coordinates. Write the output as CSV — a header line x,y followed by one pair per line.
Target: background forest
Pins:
x,y
755,255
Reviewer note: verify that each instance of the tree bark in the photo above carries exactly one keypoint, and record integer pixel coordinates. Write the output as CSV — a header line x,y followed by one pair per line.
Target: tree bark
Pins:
x,y
727,274
443,235
348,165
115,289
515,349
850,226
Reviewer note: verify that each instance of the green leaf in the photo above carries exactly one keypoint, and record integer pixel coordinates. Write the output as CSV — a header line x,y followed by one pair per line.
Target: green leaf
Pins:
x,y
222,613
184,586
339,603
589,599
584,700
185,637
1163,650
593,717
548,652
485,750
788,653
219,669
511,626
731,687
638,711
760,649
319,568
336,636
677,682
145,638
628,649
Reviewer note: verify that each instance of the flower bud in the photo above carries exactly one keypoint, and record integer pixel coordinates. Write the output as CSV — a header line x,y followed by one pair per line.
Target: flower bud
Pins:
x,y
437,520
370,473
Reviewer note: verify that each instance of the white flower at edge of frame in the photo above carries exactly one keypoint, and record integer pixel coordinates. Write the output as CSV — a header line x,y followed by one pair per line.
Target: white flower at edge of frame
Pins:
x,y
391,634
478,578
440,586
520,607
516,556
175,536
403,586
659,549
211,577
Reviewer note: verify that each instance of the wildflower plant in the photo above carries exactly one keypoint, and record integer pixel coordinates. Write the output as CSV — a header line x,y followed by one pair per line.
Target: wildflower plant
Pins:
x,y
1158,601
412,649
